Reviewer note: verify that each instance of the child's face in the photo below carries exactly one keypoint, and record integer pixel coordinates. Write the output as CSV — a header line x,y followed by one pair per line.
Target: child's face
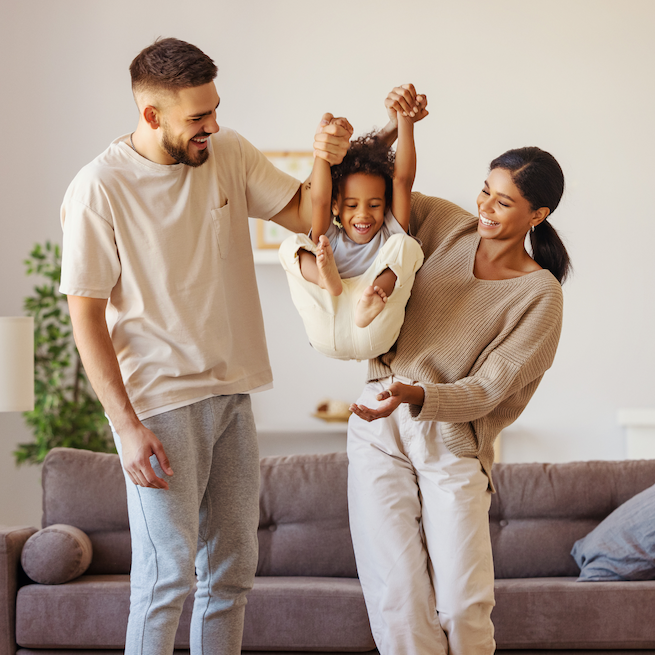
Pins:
x,y
360,206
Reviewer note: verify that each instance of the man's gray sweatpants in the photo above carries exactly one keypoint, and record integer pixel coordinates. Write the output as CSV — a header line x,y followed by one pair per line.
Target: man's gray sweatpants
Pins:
x,y
207,519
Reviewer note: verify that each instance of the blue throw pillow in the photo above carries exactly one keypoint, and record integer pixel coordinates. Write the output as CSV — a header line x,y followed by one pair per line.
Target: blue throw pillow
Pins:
x,y
622,547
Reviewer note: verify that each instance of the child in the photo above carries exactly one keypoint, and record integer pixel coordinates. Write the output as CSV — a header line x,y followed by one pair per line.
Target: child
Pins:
x,y
351,281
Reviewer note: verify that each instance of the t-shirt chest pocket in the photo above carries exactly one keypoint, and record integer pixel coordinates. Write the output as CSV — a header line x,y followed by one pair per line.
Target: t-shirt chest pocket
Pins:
x,y
221,222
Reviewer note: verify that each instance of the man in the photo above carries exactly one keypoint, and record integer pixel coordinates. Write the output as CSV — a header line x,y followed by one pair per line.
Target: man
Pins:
x,y
158,270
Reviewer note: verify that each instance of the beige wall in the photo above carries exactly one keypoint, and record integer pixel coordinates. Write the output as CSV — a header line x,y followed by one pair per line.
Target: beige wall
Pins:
x,y
572,76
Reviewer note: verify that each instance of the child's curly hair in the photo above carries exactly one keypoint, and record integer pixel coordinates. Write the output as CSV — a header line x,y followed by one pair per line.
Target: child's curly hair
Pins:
x,y
369,155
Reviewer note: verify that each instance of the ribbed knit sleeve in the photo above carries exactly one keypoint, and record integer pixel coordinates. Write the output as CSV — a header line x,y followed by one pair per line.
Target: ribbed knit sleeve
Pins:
x,y
434,219
521,357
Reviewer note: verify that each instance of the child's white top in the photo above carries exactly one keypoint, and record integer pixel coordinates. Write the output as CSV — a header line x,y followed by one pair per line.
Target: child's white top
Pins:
x,y
353,259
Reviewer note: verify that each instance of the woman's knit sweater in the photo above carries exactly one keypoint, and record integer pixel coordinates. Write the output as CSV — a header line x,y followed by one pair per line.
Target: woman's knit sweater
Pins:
x,y
479,348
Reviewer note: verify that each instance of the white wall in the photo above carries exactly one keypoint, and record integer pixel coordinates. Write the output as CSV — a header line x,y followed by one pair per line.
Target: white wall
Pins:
x,y
572,76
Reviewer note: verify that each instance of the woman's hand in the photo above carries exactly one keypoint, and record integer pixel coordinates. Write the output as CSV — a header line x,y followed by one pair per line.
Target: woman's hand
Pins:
x,y
390,399
404,100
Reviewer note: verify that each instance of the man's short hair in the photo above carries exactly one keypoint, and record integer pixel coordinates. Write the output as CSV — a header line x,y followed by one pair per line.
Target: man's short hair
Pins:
x,y
171,65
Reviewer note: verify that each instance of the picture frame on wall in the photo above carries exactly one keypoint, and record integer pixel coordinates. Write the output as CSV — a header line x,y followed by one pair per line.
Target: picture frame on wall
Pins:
x,y
298,164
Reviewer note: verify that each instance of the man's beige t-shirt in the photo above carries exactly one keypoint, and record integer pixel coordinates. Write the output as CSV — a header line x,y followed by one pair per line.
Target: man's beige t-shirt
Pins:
x,y
170,247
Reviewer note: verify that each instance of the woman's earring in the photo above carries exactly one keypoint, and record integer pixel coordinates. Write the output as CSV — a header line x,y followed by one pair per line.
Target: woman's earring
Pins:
x,y
532,229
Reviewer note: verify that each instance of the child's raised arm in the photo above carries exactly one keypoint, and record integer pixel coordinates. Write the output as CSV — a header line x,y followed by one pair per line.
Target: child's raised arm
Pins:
x,y
405,166
405,108
404,171
321,198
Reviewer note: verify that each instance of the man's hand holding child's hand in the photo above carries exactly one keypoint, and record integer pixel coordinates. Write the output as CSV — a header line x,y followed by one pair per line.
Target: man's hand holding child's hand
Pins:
x,y
332,139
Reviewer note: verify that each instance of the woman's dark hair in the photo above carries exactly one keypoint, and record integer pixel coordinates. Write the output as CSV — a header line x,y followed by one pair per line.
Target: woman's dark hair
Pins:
x,y
170,65
539,178
369,155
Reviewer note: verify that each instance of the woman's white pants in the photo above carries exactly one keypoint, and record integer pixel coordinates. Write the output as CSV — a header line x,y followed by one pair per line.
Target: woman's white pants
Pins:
x,y
419,518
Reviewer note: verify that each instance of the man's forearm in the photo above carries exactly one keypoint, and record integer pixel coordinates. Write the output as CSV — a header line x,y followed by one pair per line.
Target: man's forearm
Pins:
x,y
138,443
99,359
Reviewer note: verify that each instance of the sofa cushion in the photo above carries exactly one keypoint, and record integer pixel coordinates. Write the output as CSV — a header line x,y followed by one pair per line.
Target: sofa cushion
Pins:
x,y
102,505
541,510
307,614
560,613
56,554
622,547
89,612
297,613
112,552
303,517
101,511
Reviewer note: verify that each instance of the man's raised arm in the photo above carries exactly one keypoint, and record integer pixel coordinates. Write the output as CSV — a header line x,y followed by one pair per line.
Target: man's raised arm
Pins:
x,y
331,142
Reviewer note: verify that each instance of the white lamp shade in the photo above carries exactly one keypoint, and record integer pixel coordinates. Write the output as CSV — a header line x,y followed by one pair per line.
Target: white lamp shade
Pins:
x,y
16,363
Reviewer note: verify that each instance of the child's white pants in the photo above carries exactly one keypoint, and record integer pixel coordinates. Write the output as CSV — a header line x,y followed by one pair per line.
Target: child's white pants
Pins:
x,y
420,526
330,320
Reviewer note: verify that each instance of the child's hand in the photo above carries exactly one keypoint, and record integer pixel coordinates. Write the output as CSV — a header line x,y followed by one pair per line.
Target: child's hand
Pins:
x,y
404,100
332,139
422,111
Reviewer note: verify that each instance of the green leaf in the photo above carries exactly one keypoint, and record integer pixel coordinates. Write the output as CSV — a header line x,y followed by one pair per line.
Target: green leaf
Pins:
x,y
57,419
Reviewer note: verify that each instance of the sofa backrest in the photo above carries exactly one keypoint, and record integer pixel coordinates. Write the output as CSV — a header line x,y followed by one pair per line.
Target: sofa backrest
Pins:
x,y
303,517
87,490
303,527
540,510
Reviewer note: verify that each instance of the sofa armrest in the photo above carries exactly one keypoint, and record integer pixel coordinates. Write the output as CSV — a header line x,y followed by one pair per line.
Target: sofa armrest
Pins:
x,y
12,540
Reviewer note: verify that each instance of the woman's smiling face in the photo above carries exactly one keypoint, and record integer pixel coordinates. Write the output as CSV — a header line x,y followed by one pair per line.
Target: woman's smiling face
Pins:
x,y
502,210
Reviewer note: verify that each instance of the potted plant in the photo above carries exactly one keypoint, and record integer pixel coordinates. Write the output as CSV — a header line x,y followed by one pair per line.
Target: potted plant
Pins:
x,y
66,410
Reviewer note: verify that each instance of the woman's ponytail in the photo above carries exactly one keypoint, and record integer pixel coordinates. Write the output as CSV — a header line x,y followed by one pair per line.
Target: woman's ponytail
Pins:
x,y
549,251
540,180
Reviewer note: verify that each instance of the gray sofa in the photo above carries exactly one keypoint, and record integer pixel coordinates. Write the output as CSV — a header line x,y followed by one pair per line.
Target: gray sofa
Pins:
x,y
306,596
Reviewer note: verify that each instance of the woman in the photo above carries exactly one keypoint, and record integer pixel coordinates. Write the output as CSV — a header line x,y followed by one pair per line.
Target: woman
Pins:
x,y
481,328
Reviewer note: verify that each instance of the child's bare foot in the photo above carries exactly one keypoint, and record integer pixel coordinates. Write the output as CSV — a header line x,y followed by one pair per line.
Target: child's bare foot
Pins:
x,y
328,275
369,306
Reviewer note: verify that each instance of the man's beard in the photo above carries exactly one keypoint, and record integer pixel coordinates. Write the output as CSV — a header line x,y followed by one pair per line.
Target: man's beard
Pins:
x,y
179,150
